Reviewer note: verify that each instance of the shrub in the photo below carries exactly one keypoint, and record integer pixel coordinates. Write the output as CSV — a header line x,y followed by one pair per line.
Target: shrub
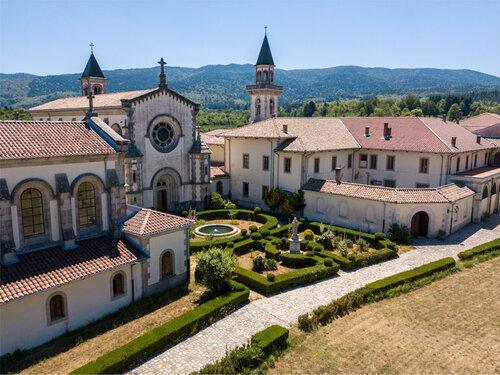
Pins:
x,y
271,339
271,277
228,205
481,249
328,262
284,243
256,236
265,232
400,234
310,254
362,244
441,235
305,322
162,337
244,232
391,245
349,243
336,242
379,236
270,264
257,210
214,270
253,228
230,244
258,264
184,213
326,239
271,251
309,235
342,247
216,201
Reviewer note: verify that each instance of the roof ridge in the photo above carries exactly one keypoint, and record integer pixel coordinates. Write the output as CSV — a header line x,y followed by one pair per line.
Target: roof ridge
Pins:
x,y
346,128
437,136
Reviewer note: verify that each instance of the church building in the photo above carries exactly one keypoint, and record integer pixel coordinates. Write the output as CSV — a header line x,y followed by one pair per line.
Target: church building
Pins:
x,y
167,166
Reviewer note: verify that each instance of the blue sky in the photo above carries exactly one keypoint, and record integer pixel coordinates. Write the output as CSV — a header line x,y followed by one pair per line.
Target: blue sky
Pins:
x,y
52,37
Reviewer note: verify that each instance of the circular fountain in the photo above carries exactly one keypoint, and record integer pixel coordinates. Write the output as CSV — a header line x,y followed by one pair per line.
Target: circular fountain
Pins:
x,y
216,230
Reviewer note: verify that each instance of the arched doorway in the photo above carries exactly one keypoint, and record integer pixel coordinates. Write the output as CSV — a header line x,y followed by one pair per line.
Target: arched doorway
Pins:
x,y
496,159
420,224
220,188
165,193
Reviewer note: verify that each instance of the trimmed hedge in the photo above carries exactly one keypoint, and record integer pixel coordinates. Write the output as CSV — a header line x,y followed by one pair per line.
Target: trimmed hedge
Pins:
x,y
481,249
349,233
360,260
268,222
352,301
411,275
271,251
297,260
143,347
271,339
284,281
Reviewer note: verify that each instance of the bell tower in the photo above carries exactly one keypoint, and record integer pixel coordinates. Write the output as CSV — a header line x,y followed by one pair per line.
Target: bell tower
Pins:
x,y
264,94
92,76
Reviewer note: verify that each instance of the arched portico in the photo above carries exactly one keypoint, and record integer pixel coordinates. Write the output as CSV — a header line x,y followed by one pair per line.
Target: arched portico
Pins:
x,y
166,189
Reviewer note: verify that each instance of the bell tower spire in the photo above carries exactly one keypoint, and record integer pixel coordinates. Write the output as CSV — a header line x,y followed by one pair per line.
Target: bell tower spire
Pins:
x,y
264,94
92,79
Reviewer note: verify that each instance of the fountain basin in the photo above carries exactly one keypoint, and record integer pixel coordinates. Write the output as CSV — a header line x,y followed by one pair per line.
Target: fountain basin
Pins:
x,y
217,230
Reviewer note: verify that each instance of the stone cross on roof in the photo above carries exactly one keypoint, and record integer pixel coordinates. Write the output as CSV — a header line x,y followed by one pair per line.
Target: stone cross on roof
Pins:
x,y
91,47
163,77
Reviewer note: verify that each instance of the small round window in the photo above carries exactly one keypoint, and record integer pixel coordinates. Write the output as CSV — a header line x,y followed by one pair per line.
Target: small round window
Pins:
x,y
163,137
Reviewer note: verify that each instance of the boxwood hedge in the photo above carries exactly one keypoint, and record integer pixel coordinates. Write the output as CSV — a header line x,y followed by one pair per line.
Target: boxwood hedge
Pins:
x,y
143,347
271,339
481,249
297,260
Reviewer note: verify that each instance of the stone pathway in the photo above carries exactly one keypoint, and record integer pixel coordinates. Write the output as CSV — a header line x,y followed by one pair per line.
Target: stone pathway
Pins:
x,y
212,343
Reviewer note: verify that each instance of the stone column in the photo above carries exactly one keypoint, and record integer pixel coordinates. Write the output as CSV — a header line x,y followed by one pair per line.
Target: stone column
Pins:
x,y
104,211
54,220
15,226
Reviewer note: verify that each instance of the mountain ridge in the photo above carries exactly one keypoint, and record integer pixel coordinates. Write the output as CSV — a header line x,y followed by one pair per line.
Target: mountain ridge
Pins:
x,y
223,86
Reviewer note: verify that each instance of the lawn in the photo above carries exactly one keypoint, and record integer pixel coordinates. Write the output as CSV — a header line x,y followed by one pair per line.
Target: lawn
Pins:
x,y
71,351
449,326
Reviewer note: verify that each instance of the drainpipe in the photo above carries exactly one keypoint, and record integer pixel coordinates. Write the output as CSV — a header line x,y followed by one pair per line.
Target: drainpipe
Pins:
x,y
132,283
451,218
441,171
383,219
352,165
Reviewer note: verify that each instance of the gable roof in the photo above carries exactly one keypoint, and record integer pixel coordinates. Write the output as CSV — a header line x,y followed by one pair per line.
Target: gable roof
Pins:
x,y
418,134
111,100
44,269
442,194
44,139
484,120
265,56
147,222
92,69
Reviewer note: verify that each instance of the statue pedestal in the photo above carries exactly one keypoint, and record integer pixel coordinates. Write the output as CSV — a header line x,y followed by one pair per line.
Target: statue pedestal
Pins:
x,y
294,246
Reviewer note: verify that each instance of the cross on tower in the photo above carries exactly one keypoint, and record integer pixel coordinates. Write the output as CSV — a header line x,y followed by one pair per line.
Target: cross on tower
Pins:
x,y
163,77
265,30
91,47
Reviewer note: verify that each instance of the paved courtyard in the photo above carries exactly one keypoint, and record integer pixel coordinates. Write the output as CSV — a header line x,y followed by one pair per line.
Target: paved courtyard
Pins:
x,y
236,329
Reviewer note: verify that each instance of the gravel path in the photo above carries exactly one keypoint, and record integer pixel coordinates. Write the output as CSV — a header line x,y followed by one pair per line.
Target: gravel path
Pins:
x,y
212,343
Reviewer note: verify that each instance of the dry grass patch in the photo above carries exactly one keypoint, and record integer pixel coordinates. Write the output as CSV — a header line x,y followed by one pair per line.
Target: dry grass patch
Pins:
x,y
64,354
449,326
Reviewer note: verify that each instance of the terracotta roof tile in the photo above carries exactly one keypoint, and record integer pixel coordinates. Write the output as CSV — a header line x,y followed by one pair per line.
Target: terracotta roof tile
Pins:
x,y
42,139
82,102
216,172
146,222
43,269
443,194
481,121
212,139
481,172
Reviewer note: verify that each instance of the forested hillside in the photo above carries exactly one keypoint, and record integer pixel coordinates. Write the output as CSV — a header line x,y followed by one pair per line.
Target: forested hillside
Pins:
x,y
223,86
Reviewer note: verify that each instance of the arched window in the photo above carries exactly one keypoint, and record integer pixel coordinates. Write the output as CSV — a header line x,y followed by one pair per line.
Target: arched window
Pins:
x,y
265,75
32,213
117,128
57,308
493,189
166,264
85,91
87,205
271,76
118,284
485,192
97,89
271,106
219,187
257,106
259,76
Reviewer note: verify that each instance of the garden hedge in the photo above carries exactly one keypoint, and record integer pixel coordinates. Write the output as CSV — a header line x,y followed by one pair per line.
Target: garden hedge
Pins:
x,y
361,260
481,249
411,275
160,338
297,260
284,281
271,251
349,233
271,339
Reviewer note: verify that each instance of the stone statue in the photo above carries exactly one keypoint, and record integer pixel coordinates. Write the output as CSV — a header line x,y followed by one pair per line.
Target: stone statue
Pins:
x,y
295,240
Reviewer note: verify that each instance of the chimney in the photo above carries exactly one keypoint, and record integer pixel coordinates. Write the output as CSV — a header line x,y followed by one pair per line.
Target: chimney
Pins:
x,y
338,175
387,131
285,128
367,131
454,141
478,139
